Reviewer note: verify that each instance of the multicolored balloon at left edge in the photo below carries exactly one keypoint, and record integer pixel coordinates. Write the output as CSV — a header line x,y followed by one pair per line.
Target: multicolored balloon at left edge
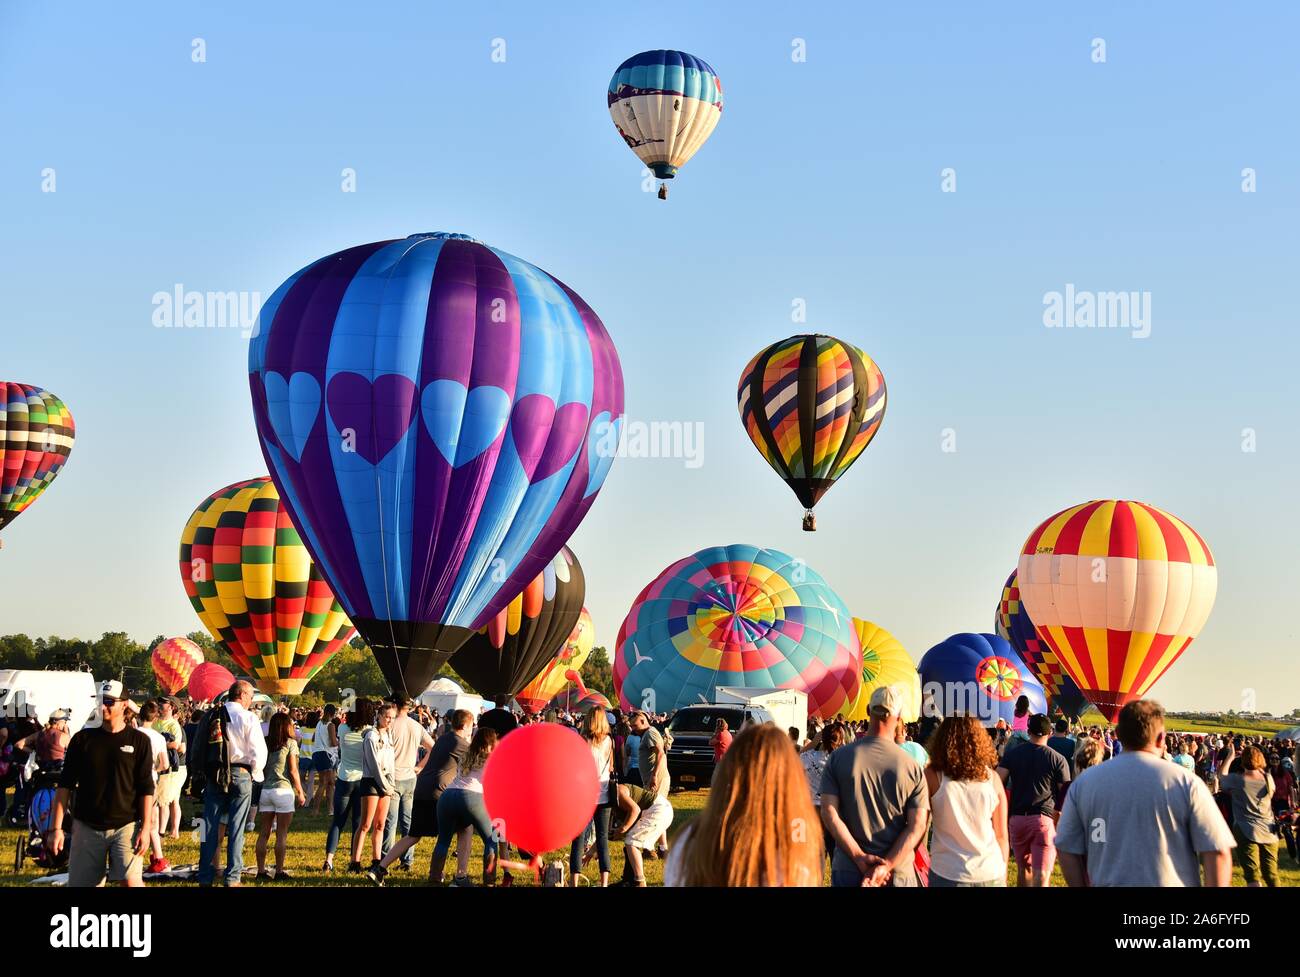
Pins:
x,y
36,435
257,591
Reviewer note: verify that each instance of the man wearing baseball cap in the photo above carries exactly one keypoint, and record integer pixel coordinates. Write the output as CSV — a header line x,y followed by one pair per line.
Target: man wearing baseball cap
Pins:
x,y
110,766
1036,775
874,802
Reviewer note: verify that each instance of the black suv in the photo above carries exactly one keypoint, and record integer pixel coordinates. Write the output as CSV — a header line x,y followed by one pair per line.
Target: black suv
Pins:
x,y
690,758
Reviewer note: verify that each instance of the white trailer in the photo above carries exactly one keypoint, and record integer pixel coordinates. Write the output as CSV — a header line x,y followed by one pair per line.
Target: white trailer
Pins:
x,y
787,706
35,694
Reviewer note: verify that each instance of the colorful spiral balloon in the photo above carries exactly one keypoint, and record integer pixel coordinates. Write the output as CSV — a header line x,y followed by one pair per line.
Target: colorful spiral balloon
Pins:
x,y
173,660
36,435
1012,622
438,416
256,590
811,405
737,616
1118,590
978,675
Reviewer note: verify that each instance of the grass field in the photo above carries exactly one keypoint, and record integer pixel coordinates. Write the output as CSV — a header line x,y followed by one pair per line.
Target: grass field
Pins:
x,y
307,851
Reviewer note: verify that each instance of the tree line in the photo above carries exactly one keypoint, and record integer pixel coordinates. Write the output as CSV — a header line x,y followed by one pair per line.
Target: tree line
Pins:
x,y
116,655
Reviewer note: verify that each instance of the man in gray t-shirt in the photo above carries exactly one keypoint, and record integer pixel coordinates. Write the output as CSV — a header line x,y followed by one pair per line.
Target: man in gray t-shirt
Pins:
x,y
874,802
1139,820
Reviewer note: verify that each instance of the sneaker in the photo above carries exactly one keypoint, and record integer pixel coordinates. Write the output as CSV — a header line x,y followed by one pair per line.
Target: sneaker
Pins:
x,y
265,876
354,868
283,873
376,874
463,882
155,866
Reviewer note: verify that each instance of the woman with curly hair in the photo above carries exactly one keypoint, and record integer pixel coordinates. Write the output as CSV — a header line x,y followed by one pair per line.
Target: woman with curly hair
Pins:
x,y
970,844
759,827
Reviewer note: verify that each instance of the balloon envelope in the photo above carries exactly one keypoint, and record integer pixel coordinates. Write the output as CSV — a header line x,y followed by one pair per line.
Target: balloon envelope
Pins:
x,y
534,696
1011,621
256,590
737,616
36,435
884,662
811,405
173,660
438,416
665,104
208,681
1118,590
540,786
978,675
508,652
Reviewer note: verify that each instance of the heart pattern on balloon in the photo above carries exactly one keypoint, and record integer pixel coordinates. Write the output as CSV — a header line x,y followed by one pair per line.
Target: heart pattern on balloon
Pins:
x,y
463,423
378,414
546,438
292,406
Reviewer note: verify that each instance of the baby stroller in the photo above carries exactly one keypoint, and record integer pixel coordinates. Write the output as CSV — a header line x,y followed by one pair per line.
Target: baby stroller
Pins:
x,y
40,821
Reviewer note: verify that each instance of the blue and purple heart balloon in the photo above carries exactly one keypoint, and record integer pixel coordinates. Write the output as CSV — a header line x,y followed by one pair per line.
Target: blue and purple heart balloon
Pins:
x,y
438,417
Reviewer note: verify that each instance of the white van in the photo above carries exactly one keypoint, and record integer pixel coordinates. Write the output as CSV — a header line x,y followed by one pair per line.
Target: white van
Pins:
x,y
28,692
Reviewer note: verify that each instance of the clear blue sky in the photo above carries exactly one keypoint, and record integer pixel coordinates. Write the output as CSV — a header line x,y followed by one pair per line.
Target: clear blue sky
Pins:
x,y
822,183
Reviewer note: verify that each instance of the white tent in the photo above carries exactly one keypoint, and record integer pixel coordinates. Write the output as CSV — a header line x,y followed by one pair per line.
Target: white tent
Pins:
x,y
444,695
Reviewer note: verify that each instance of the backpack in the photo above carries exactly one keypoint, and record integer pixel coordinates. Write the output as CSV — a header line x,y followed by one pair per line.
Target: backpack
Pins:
x,y
216,759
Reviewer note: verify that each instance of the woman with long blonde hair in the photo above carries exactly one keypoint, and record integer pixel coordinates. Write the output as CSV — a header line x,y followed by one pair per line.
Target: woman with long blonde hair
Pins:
x,y
595,730
759,827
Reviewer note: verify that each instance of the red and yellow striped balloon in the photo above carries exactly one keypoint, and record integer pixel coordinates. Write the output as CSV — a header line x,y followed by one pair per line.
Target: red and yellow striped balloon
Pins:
x,y
256,589
173,660
1118,590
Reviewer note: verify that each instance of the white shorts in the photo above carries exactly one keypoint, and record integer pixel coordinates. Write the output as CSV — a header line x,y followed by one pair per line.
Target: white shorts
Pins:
x,y
276,799
652,823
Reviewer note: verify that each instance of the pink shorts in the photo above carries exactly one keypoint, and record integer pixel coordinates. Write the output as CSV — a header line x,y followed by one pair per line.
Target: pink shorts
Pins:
x,y
1033,840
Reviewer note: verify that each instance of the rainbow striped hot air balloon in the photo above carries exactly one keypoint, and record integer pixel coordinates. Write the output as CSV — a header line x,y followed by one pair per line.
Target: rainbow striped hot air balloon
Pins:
x,y
1118,590
665,104
884,662
1011,621
256,590
811,405
173,660
36,435
438,416
737,616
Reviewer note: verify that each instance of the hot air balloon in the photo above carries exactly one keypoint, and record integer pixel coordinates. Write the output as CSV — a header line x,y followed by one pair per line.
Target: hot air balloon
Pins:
x,y
256,590
576,697
503,656
438,416
173,660
570,658
665,104
36,435
978,675
737,616
209,681
811,404
1118,590
1012,622
884,662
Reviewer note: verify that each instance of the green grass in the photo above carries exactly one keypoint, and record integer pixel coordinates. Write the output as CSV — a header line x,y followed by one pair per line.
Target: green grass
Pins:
x,y
307,851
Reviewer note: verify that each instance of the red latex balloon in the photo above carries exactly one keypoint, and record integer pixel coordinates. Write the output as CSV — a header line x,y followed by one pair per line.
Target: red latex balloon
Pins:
x,y
209,680
540,786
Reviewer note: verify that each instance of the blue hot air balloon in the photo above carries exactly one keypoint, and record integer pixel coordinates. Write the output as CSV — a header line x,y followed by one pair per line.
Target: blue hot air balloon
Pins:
x,y
438,416
978,675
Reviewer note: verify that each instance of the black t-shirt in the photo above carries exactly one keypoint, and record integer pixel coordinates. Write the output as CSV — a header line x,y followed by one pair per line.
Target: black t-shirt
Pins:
x,y
500,721
1063,745
1036,774
110,772
440,769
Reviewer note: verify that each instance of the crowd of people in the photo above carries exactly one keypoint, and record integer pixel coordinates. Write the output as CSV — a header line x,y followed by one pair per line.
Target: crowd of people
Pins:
x,y
940,802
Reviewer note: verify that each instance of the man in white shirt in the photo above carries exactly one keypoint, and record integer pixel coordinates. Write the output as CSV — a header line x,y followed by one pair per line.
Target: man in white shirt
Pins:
x,y
234,753
409,738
